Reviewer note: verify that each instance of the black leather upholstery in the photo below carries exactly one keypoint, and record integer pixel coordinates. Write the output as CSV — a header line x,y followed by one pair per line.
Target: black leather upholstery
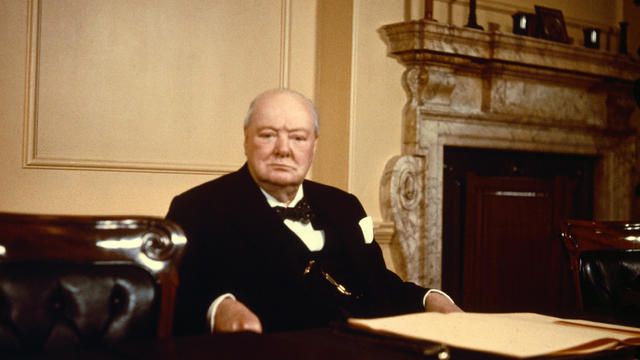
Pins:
x,y
610,282
69,283
53,305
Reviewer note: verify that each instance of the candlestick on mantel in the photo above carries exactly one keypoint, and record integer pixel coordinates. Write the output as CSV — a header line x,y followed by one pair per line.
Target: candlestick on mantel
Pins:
x,y
428,9
471,22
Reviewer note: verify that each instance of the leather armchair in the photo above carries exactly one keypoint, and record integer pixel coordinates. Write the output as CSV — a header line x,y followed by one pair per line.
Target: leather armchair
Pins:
x,y
85,282
605,264
610,284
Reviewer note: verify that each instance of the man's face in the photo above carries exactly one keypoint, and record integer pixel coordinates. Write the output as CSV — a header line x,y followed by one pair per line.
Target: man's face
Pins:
x,y
280,141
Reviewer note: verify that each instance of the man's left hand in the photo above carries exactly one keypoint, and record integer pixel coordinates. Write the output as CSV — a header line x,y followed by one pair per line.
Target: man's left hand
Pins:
x,y
439,303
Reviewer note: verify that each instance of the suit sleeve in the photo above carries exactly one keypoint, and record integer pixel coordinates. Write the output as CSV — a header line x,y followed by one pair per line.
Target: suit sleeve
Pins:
x,y
391,294
196,289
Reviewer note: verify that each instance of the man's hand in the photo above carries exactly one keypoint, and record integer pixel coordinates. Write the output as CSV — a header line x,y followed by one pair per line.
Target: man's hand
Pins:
x,y
234,316
439,303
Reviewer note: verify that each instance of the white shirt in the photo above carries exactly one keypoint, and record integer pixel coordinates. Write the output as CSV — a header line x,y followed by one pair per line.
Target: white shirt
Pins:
x,y
314,239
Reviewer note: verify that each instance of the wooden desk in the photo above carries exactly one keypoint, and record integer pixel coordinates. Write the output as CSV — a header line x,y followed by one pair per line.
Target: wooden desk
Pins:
x,y
314,344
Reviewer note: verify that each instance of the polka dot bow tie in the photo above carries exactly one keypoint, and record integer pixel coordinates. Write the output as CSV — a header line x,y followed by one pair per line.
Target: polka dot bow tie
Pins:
x,y
301,212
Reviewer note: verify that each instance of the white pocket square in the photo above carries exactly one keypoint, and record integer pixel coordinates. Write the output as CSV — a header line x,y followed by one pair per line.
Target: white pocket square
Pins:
x,y
366,224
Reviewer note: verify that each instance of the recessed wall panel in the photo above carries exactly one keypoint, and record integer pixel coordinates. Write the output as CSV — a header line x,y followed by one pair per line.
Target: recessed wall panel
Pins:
x,y
151,85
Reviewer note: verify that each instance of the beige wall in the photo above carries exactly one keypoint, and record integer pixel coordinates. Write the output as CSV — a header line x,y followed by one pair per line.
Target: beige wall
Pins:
x,y
116,106
119,105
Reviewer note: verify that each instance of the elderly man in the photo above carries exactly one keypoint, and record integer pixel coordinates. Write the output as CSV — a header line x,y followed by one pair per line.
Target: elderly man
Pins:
x,y
271,251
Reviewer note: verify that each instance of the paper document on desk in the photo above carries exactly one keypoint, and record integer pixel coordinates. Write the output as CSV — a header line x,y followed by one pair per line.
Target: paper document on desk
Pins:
x,y
519,335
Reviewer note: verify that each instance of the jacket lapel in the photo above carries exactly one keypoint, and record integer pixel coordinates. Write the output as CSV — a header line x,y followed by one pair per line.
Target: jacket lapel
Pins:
x,y
274,237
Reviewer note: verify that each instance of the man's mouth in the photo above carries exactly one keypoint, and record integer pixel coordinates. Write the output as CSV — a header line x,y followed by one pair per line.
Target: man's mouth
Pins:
x,y
281,166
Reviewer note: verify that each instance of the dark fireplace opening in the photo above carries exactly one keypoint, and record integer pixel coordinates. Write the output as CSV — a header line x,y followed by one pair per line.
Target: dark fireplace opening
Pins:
x,y
502,210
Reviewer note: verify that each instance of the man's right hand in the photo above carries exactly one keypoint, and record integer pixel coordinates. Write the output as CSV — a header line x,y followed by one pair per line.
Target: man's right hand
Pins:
x,y
234,316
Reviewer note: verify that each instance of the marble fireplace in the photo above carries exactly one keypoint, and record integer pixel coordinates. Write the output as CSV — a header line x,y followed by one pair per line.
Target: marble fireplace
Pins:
x,y
495,90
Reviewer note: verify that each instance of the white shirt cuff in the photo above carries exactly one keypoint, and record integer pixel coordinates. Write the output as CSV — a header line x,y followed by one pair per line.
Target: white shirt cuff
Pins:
x,y
424,299
211,311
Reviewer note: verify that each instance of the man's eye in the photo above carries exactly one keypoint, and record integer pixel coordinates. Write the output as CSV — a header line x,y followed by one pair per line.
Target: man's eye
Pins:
x,y
267,135
299,138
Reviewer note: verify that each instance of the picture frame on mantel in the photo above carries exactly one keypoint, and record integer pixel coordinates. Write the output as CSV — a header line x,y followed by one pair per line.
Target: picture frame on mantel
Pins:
x,y
551,24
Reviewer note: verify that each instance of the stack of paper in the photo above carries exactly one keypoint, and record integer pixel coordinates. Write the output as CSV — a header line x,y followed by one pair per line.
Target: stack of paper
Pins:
x,y
518,335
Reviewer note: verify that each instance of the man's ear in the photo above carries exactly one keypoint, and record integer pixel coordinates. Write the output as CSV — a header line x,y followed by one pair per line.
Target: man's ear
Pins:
x,y
315,146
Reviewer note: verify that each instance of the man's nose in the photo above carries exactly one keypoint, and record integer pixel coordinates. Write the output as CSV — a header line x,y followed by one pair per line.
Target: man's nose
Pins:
x,y
282,145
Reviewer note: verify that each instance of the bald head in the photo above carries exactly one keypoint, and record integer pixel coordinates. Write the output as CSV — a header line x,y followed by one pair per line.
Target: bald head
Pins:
x,y
265,96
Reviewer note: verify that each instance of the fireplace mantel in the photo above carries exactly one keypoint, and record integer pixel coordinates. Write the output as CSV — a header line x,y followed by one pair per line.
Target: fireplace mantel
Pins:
x,y
472,88
428,41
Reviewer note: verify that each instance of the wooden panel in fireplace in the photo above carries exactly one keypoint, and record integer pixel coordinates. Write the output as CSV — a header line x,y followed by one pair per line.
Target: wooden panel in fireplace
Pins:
x,y
502,214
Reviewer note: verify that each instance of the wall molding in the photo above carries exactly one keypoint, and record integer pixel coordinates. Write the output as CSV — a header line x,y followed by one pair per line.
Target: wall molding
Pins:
x,y
33,159
285,43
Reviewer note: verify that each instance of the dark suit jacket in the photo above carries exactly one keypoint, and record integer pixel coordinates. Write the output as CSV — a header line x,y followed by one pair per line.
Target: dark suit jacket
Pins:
x,y
238,244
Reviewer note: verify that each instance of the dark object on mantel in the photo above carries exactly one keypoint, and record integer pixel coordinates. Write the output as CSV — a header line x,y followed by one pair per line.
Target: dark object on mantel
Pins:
x,y
472,22
591,38
428,10
525,23
622,49
79,282
551,24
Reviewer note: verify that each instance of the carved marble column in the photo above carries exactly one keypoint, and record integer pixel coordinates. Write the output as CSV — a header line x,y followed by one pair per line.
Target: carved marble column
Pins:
x,y
426,87
414,79
401,198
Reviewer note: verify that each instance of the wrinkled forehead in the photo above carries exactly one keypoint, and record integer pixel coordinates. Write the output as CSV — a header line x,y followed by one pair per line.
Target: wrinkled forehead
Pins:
x,y
281,108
